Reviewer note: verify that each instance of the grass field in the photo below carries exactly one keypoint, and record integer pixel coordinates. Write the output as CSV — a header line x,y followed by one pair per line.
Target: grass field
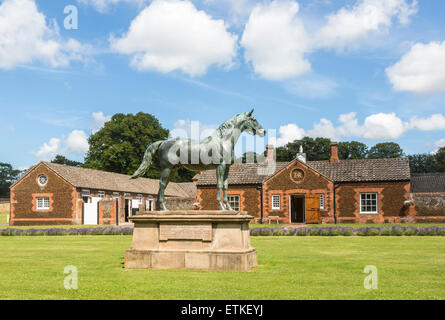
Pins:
x,y
3,217
289,268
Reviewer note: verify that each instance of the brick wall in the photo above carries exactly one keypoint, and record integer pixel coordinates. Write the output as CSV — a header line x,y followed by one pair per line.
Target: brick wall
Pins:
x,y
285,185
61,194
429,207
391,198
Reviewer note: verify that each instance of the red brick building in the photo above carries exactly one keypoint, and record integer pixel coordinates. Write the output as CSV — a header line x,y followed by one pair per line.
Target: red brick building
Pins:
x,y
300,191
54,194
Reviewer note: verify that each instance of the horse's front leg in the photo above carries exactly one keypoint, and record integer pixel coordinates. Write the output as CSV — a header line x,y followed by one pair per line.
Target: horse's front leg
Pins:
x,y
226,188
219,185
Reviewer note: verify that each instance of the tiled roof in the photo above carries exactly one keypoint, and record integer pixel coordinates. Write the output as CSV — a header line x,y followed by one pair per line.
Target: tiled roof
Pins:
x,y
189,188
102,180
343,171
396,169
427,182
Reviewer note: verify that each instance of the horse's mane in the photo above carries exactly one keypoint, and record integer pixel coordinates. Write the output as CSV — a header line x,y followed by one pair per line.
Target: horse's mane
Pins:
x,y
225,127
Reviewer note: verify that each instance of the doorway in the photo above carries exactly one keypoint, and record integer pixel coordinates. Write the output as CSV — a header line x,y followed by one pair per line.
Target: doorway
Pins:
x,y
127,209
297,209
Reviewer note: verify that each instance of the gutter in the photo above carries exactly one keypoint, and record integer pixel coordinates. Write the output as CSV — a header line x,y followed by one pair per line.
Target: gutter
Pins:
x,y
335,202
260,189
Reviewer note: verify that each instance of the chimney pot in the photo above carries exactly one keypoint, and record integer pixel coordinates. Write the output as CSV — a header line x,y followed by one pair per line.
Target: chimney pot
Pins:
x,y
270,153
334,152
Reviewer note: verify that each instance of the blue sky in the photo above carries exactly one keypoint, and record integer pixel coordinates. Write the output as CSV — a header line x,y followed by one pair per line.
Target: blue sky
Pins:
x,y
366,70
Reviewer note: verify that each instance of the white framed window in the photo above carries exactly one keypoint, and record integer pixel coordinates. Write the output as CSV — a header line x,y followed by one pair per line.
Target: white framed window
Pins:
x,y
42,180
43,203
234,202
116,195
322,201
276,202
127,196
101,194
368,203
140,198
86,193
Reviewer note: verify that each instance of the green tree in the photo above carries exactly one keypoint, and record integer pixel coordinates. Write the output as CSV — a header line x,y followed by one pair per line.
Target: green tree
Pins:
x,y
352,150
120,145
422,163
440,160
247,157
7,177
315,149
63,160
385,150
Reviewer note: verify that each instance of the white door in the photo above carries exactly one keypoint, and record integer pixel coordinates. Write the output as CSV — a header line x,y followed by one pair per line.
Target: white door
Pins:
x,y
90,214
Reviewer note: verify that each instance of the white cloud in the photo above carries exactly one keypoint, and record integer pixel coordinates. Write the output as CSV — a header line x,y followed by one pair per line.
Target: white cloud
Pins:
x,y
288,133
421,70
348,26
439,144
380,126
435,122
48,150
99,121
275,41
26,37
103,5
383,126
77,142
174,35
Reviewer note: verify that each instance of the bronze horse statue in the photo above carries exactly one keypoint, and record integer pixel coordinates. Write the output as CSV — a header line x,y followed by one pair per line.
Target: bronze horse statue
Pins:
x,y
215,151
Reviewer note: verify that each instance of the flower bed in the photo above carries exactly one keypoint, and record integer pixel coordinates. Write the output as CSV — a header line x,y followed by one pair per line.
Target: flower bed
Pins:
x,y
348,231
67,232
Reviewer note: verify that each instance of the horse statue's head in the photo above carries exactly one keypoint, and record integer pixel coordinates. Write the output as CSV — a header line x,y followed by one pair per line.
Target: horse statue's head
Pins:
x,y
249,124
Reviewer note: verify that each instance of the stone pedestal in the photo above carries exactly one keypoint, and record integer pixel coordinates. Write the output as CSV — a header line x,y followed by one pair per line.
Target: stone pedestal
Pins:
x,y
205,240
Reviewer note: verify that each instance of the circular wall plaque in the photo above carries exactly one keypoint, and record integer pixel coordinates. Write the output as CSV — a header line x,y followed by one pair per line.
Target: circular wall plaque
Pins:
x,y
297,175
42,180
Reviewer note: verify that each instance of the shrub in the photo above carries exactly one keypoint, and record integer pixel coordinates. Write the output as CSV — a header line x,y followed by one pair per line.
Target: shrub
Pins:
x,y
325,232
265,231
278,232
347,232
314,232
397,231
301,232
373,232
290,232
409,232
253,232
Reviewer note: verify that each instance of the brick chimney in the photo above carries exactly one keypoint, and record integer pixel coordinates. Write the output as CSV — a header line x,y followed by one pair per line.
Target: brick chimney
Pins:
x,y
270,153
334,152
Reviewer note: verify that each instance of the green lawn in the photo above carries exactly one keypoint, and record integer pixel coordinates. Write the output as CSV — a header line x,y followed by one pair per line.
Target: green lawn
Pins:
x,y
3,217
289,268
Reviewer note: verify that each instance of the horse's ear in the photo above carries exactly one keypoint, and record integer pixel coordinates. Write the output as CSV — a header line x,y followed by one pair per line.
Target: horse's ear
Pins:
x,y
251,112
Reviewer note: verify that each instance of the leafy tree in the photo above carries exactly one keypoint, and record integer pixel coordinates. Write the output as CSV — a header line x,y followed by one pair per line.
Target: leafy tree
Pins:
x,y
385,150
440,160
63,160
422,163
315,149
7,177
120,145
250,156
352,150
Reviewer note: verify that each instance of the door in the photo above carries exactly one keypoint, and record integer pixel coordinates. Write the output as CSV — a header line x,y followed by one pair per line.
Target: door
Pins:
x,y
127,209
297,213
90,214
313,208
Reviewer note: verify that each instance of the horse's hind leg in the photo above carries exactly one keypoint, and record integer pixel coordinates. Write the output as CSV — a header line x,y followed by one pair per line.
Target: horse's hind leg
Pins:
x,y
163,182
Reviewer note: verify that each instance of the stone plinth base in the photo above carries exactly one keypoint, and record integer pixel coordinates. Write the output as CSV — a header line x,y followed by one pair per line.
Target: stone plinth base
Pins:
x,y
204,240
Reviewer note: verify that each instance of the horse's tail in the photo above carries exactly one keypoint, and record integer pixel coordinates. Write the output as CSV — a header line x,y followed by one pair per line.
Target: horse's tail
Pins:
x,y
148,159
